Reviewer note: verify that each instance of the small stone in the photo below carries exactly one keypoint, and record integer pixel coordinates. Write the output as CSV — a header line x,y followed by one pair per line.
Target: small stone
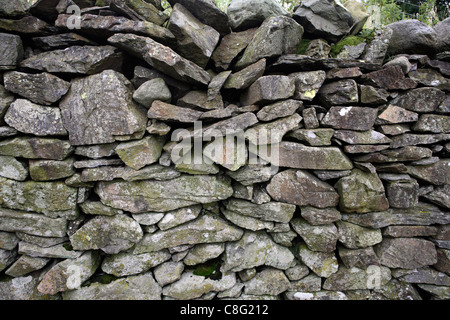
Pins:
x,y
390,78
351,118
317,216
268,89
11,168
36,148
313,137
376,50
12,51
269,281
358,279
244,78
174,218
320,238
253,173
216,84
409,231
340,92
48,170
155,89
433,123
199,100
167,112
310,283
307,84
106,173
168,272
248,14
203,252
439,196
430,78
98,208
361,137
353,236
359,258
279,110
423,275
310,118
322,264
403,194
138,154
371,95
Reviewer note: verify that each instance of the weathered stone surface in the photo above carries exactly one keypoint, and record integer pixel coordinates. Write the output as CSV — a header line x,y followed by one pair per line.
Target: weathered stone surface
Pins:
x,y
140,153
149,91
155,171
205,229
28,25
28,117
248,14
353,236
191,286
358,279
277,35
195,40
203,252
313,137
32,223
318,48
25,265
420,100
436,173
161,58
168,112
174,218
279,110
371,95
111,234
60,41
376,50
168,272
69,274
269,281
302,188
394,114
340,92
271,211
216,85
390,78
255,249
11,51
364,137
199,100
443,39
267,89
433,123
408,153
36,148
139,287
412,36
253,173
97,208
272,132
126,264
351,118
42,88
110,25
307,84
403,194
361,192
93,118
324,19
245,77
359,258
430,78
323,264
48,170
407,253
320,238
310,118
440,196
422,275
317,216
409,231
11,168
140,10
230,47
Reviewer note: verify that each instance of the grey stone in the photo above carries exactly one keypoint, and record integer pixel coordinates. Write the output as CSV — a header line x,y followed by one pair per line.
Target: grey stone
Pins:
x,y
323,264
28,117
11,168
320,238
318,48
140,153
199,100
436,173
154,171
279,110
161,58
376,50
11,51
353,236
271,211
8,241
371,95
310,283
269,281
168,272
36,148
139,9
97,151
61,41
195,40
248,14
412,36
217,83
245,77
272,132
205,229
302,188
313,137
49,170
361,137
155,89
307,84
97,208
433,123
359,258
111,234
277,35
443,39
317,216
358,279
425,99
203,252
409,231
42,88
310,118
179,216
340,92
424,275
25,265
168,112
267,89
403,194
390,78
439,196
351,118
297,272
253,173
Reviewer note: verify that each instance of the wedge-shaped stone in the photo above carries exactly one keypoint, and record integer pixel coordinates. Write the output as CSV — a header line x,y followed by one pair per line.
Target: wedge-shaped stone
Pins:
x,y
279,110
140,10
317,216
32,223
313,137
76,60
161,58
179,216
163,196
138,154
28,117
256,249
269,281
12,50
390,78
253,173
205,229
353,236
48,170
407,253
302,188
342,92
25,265
364,137
168,112
433,123
267,89
61,41
408,153
271,211
11,168
41,88
395,114
299,156
321,238
244,78
351,118
361,192
247,222
199,100
36,148
420,100
100,109
437,173
110,25
323,264
272,132
50,198
354,278
154,171
308,84
111,234
195,40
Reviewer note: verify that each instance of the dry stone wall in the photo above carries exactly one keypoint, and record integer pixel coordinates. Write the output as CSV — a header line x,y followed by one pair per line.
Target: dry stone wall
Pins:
x,y
118,179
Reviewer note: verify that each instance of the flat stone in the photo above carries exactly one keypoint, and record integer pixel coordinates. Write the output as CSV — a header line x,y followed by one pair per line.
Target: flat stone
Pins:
x,y
12,51
205,229
279,110
310,283
110,25
195,41
97,151
430,78
424,275
36,148
302,188
179,216
310,118
390,78
269,281
140,10
268,89
25,265
317,216
341,92
8,241
271,211
255,249
421,100
307,84
436,173
253,173
277,35
394,129
48,170
92,118
163,196
97,208
409,153
394,114
140,153
203,252
408,253
168,272
248,14
353,236
313,137
106,173
32,223
358,279
372,95
322,238
11,168
28,117
27,25
245,77
168,112
364,137
359,258
330,174
7,258
376,50
433,123
42,88
199,100
149,91
272,132
161,58
111,234
409,231
351,118
323,264
439,196
370,194
61,41
403,194
96,163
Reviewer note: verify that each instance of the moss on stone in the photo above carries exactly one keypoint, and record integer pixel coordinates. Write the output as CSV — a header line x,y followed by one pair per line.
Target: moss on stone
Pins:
x,y
347,41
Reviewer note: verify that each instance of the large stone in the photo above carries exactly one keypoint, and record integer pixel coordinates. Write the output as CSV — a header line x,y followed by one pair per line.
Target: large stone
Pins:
x,y
140,153
144,196
390,78
248,14
437,173
403,193
42,88
318,216
161,58
442,32
28,25
16,9
372,95
267,89
342,92
11,168
433,123
360,258
269,281
111,234
61,41
197,99
93,118
313,137
272,132
203,252
271,211
351,118
394,114
423,275
324,19
323,264
36,148
205,229
354,278
277,36
140,10
420,100
361,137
168,112
353,236
430,78
407,253
32,223
307,84
11,50
440,196
139,287
244,78
50,198
253,173
69,274
28,117
48,170
155,171
195,40
25,265
376,50
361,192
256,249
322,238
110,25
412,36
279,110
302,188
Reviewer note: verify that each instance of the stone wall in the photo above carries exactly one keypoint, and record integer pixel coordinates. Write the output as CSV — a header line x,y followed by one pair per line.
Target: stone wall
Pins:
x,y
115,184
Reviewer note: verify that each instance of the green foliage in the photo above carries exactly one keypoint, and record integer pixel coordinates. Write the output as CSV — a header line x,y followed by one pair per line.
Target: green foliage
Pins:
x,y
350,41
209,269
302,46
